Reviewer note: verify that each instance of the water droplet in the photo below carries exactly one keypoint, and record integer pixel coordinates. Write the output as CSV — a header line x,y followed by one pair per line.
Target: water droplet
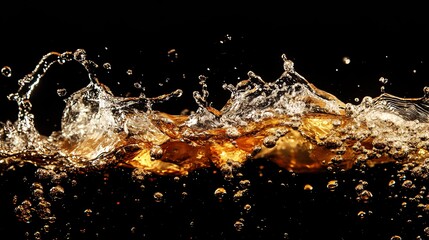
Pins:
x,y
61,92
6,71
79,55
138,85
65,57
172,55
396,237
288,65
383,80
129,72
346,60
107,66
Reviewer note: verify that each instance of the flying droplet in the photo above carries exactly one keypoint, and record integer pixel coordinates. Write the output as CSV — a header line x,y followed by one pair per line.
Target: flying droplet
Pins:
x,y
107,66
346,60
80,55
6,71
288,65
61,92
172,55
137,85
383,80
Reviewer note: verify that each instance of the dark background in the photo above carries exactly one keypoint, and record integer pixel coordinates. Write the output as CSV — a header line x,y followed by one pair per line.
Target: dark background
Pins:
x,y
222,41
382,41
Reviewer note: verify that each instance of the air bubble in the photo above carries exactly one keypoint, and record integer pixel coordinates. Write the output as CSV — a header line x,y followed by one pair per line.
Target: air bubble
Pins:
x,y
308,187
220,193
270,141
361,214
158,197
79,55
247,207
244,184
239,225
332,185
56,192
232,132
88,212
156,152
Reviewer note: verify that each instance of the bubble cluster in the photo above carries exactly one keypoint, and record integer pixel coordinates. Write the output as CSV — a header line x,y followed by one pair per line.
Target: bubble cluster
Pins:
x,y
288,123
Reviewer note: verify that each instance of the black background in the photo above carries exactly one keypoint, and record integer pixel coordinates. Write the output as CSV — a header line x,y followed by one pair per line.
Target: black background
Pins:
x,y
388,41
382,41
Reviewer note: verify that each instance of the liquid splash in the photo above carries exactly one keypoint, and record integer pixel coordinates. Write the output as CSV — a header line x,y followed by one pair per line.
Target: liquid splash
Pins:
x,y
288,121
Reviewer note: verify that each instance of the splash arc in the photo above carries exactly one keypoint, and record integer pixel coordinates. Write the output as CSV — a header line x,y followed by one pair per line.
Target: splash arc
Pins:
x,y
289,121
